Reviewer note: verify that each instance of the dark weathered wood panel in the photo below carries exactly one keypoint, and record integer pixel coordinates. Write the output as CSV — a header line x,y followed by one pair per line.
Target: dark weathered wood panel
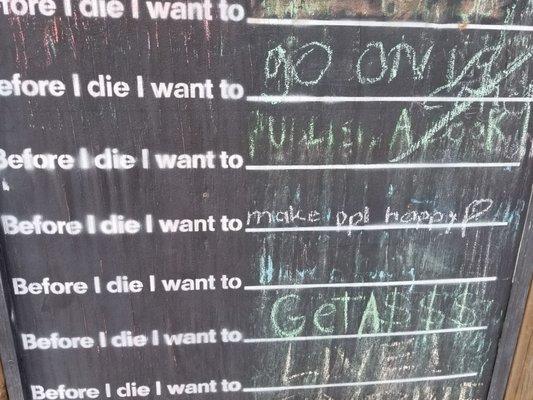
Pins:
x,y
274,60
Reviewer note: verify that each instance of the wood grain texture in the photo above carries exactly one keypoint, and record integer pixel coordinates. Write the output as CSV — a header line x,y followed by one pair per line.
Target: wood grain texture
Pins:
x,y
491,63
12,379
3,390
521,381
515,311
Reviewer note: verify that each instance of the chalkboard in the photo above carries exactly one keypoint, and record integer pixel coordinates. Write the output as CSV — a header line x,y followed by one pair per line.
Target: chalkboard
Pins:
x,y
276,199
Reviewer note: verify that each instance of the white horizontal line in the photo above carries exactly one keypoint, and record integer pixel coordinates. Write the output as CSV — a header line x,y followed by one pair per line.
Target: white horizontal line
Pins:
x,y
383,99
426,282
364,335
352,384
386,24
367,167
376,227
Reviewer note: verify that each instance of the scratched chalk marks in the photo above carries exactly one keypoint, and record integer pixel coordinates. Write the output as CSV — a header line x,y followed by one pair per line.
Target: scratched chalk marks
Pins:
x,y
351,117
464,10
342,224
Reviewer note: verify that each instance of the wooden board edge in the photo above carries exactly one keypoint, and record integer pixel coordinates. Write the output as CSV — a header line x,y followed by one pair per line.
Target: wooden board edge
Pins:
x,y
519,386
3,389
8,354
522,277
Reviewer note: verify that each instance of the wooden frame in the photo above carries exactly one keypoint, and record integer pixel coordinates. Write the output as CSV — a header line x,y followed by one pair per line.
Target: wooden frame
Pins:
x,y
520,384
3,390
8,352
523,273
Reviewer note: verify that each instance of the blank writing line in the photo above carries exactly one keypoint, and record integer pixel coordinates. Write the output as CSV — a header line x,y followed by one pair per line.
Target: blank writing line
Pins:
x,y
386,24
384,166
376,227
426,282
364,335
352,384
384,99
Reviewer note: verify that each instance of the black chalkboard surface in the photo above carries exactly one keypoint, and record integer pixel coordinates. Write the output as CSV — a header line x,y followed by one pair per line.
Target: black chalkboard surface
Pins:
x,y
277,199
